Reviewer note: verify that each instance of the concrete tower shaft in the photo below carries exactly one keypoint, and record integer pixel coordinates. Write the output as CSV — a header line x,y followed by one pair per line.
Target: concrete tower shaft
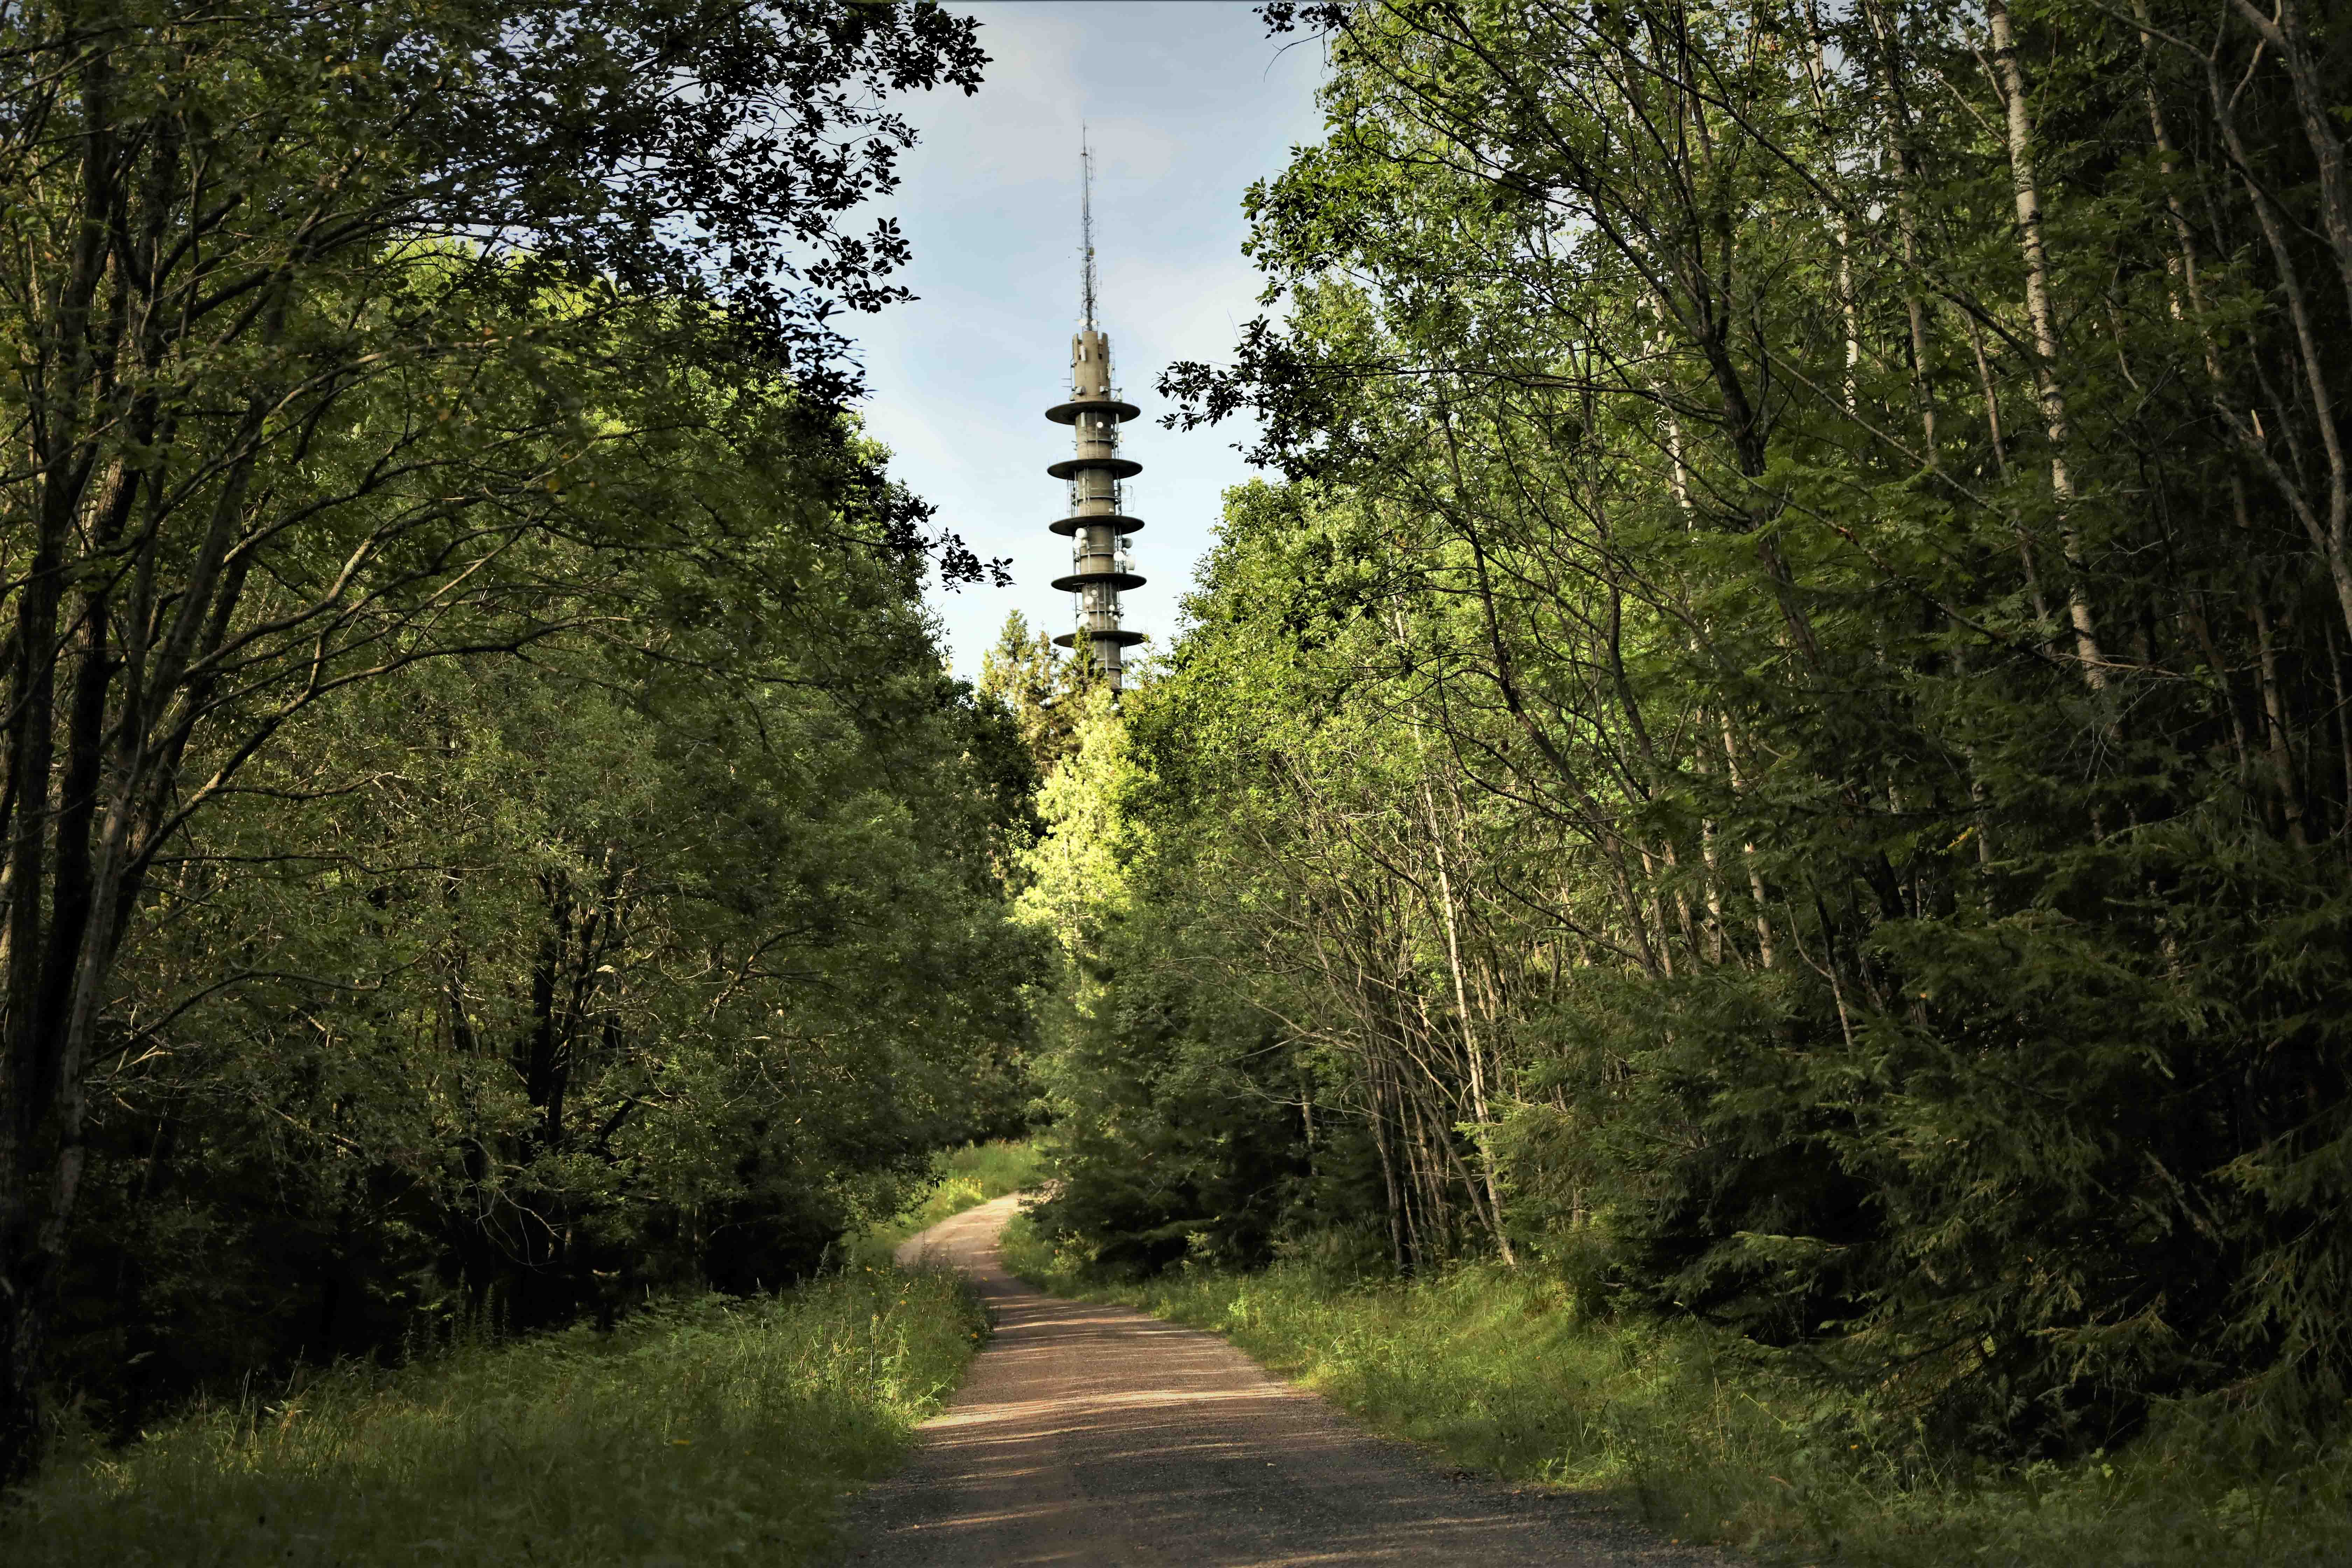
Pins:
x,y
1098,522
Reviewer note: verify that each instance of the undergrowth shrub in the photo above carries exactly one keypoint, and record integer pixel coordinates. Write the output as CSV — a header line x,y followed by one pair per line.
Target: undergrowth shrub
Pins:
x,y
708,1431
1709,1437
964,1178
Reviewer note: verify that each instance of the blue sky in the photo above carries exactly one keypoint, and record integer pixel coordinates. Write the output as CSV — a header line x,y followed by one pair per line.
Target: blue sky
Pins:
x,y
1186,103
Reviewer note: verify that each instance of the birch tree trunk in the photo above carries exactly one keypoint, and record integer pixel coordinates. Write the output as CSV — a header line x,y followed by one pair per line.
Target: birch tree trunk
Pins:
x,y
2011,78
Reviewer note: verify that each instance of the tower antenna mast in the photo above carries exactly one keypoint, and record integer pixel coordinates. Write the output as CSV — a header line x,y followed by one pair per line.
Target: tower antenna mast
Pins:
x,y
1087,222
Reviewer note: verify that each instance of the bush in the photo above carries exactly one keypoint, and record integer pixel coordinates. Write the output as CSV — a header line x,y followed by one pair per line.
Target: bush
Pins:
x,y
701,1431
1711,1438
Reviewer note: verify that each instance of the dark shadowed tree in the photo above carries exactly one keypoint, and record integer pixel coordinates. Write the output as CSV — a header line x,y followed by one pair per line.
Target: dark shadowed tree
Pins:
x,y
291,294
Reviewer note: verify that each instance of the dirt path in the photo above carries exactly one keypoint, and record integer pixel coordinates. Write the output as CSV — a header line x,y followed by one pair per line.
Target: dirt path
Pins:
x,y
1090,1434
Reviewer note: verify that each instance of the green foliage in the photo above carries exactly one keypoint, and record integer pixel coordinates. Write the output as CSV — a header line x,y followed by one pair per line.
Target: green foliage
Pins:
x,y
997,1169
487,831
1045,694
661,960
1780,746
1505,1371
966,1178
704,1430
1155,1144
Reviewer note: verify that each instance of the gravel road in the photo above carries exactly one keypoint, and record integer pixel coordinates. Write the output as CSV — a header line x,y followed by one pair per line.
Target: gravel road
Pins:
x,y
1090,1434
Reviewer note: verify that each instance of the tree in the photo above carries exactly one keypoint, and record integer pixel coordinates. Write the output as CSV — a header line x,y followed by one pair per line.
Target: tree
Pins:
x,y
295,295
1045,693
507,989
1779,725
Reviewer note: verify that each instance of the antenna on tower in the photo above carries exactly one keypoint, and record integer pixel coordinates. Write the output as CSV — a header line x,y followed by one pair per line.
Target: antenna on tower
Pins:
x,y
1086,221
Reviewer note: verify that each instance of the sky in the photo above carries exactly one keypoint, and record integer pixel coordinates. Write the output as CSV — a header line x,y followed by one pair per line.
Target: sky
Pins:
x,y
1185,103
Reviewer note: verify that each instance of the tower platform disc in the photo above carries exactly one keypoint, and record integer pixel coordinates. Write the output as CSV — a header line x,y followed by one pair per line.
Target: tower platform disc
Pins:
x,y
1118,468
1067,526
1067,413
1122,581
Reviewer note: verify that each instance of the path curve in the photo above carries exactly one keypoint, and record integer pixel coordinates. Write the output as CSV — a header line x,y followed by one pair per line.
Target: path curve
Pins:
x,y
1089,1435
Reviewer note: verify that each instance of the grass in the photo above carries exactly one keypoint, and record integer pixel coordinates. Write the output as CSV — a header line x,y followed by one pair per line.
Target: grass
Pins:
x,y
712,1432
1499,1371
968,1177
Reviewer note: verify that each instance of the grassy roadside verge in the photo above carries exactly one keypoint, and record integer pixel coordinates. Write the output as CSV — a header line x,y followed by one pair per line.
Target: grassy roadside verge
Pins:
x,y
968,1177
717,1431
1497,1370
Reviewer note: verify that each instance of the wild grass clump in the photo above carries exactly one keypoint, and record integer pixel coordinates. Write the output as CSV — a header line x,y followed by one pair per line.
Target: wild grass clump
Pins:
x,y
967,1177
719,1430
1502,1372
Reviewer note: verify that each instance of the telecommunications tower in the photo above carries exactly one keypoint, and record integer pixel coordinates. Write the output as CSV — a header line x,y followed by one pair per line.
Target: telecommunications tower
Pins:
x,y
1098,524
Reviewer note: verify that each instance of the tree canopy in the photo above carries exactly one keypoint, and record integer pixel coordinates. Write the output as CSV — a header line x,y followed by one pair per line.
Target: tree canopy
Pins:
x,y
487,831
1779,741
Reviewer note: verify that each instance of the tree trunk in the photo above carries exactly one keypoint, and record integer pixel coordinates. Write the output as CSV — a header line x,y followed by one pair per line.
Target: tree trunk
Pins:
x,y
2011,79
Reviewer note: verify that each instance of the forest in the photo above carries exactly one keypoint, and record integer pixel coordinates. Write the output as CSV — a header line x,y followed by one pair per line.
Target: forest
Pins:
x,y
1768,756
1773,745
489,838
